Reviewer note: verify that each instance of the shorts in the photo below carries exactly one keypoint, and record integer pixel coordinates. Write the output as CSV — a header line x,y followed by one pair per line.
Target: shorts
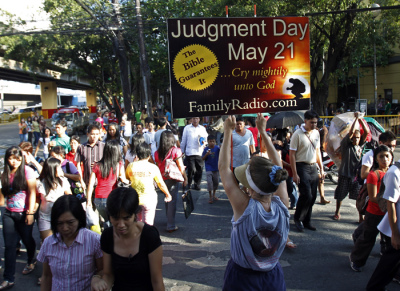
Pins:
x,y
347,185
44,224
237,278
212,180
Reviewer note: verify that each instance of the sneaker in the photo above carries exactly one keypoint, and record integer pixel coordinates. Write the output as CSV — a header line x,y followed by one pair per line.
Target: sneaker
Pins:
x,y
354,266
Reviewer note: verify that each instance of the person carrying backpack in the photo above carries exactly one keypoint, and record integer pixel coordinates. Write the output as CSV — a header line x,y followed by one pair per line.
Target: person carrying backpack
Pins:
x,y
390,230
365,242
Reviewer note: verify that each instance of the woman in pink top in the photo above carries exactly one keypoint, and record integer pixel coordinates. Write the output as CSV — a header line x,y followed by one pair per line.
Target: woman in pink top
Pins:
x,y
99,118
168,150
106,172
19,190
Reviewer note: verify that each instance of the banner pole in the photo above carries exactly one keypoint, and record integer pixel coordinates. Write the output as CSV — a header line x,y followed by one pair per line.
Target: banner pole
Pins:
x,y
232,153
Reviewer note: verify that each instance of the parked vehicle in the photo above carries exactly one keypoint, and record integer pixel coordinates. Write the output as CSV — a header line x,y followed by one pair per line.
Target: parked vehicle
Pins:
x,y
25,112
5,116
75,118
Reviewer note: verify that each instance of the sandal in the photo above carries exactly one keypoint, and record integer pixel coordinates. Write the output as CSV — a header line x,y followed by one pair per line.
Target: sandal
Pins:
x,y
28,269
6,285
336,217
210,201
291,245
324,202
215,198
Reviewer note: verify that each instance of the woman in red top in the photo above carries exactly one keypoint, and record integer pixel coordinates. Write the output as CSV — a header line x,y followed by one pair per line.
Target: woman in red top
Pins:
x,y
74,143
106,171
365,242
168,150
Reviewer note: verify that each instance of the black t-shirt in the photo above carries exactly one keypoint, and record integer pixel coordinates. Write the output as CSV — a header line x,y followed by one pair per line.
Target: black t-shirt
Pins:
x,y
351,157
132,273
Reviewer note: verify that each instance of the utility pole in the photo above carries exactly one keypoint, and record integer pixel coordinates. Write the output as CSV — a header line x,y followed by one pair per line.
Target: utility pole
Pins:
x,y
120,52
144,66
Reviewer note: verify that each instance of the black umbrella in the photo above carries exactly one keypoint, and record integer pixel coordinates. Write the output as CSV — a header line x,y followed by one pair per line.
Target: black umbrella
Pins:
x,y
284,119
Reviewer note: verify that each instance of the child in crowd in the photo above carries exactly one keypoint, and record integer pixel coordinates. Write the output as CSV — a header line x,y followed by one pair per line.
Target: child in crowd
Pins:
x,y
211,156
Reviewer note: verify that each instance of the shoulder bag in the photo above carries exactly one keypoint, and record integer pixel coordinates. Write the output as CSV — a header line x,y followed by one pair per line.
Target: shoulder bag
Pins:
x,y
171,170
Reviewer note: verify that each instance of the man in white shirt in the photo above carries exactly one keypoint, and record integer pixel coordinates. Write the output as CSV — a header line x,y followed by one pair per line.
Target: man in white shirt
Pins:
x,y
388,139
304,155
390,229
193,140
243,143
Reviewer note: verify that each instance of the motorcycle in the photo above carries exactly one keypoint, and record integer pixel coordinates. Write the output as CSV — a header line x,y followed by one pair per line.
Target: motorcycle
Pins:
x,y
330,168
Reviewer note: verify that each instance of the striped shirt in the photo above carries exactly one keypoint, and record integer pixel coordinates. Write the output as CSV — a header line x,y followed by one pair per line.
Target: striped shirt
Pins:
x,y
88,155
72,267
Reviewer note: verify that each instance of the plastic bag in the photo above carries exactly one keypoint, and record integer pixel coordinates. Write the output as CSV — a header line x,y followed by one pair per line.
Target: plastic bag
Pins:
x,y
339,128
91,217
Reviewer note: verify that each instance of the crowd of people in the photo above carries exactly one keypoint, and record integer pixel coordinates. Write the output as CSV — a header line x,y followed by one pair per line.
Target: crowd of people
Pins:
x,y
118,171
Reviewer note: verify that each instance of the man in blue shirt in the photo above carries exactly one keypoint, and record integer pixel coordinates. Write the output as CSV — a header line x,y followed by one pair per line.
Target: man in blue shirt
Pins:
x,y
167,114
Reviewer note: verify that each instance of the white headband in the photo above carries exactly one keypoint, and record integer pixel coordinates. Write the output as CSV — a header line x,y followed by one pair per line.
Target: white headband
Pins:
x,y
252,185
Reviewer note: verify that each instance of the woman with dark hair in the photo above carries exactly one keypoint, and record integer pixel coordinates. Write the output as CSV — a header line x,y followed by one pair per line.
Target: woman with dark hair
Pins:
x,y
132,250
106,171
52,185
18,183
44,140
74,142
114,134
30,160
142,175
23,130
383,158
130,156
168,150
35,130
72,255
29,128
260,222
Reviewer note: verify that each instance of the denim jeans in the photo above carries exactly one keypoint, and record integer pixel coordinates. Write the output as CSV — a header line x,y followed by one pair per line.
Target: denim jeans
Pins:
x,y
23,137
292,192
14,228
170,207
101,206
37,136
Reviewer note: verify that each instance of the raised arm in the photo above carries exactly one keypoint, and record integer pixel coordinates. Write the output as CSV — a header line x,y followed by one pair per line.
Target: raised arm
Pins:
x,y
272,153
275,157
238,199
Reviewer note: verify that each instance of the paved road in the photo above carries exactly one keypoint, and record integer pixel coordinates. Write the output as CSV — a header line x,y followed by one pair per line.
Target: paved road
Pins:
x,y
195,256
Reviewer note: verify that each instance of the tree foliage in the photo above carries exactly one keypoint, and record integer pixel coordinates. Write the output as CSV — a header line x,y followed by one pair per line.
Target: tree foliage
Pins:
x,y
340,42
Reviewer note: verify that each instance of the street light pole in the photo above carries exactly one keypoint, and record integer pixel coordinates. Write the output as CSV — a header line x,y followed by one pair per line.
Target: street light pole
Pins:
x,y
375,14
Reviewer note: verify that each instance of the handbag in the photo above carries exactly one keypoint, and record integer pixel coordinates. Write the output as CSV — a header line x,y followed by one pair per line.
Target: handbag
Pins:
x,y
119,183
171,170
188,205
76,187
